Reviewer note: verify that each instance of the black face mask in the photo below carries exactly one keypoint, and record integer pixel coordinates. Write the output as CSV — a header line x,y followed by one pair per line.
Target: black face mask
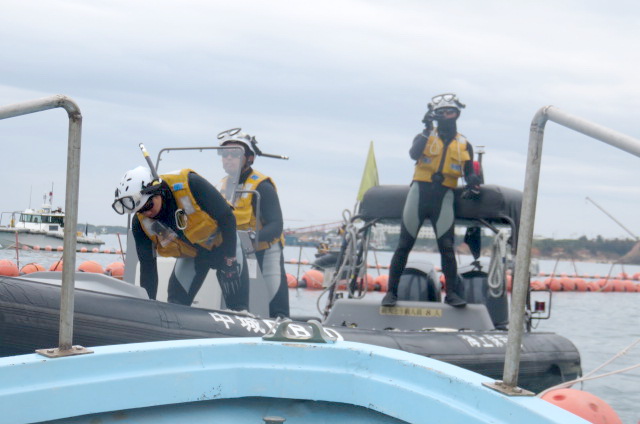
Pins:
x,y
447,129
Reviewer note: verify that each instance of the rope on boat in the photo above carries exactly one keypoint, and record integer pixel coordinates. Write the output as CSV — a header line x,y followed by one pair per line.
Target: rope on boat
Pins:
x,y
590,376
497,271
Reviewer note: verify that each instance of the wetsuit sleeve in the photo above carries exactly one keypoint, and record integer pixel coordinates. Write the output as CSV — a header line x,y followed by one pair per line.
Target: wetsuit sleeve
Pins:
x,y
418,145
270,212
212,202
147,259
469,172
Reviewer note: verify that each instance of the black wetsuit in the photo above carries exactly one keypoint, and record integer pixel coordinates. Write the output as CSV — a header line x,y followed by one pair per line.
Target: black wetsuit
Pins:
x,y
433,201
271,261
193,271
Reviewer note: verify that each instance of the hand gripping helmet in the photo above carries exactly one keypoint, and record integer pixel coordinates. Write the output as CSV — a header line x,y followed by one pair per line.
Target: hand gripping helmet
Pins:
x,y
235,135
135,189
445,101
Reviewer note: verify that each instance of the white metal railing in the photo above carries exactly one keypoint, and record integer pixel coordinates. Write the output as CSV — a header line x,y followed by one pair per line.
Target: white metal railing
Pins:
x,y
529,198
65,347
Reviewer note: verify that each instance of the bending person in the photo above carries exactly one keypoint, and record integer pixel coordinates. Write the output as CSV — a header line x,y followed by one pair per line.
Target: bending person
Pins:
x,y
442,155
267,223
183,216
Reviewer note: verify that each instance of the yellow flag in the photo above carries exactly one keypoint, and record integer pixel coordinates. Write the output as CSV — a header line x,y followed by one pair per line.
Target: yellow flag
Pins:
x,y
370,174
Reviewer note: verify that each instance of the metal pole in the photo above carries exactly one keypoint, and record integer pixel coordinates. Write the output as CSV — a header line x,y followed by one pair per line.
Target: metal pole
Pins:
x,y
71,204
525,239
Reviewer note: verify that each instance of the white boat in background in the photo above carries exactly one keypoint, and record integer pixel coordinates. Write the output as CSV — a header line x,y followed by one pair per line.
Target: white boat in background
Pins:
x,y
39,228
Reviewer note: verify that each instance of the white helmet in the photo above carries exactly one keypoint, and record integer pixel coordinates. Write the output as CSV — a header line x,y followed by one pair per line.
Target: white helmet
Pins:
x,y
134,190
235,135
446,100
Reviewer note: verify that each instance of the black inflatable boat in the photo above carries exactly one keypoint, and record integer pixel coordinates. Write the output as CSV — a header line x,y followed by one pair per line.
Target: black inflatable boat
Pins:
x,y
109,311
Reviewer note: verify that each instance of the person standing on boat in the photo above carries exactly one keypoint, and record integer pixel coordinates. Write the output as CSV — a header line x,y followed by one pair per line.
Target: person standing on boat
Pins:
x,y
182,215
442,156
267,223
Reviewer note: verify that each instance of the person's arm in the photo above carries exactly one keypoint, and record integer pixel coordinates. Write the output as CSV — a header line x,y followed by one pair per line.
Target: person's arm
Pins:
x,y
419,142
212,202
270,212
147,259
470,175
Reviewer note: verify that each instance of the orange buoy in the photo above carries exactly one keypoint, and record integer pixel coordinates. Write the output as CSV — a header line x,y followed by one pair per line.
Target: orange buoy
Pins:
x,y
313,279
291,281
382,282
554,284
25,247
617,285
56,266
59,248
584,405
369,281
115,270
629,286
593,286
538,285
47,248
31,267
581,285
91,266
83,250
36,247
107,250
95,250
8,268
568,284
623,276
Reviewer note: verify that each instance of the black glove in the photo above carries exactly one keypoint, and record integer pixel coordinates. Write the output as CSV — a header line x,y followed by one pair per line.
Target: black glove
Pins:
x,y
428,120
229,275
472,190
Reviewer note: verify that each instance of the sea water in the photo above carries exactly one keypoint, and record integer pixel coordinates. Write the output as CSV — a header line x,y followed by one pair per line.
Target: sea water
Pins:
x,y
600,325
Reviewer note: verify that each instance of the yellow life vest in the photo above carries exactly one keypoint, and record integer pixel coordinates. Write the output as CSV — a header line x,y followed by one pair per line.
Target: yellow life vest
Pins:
x,y
200,228
432,156
243,207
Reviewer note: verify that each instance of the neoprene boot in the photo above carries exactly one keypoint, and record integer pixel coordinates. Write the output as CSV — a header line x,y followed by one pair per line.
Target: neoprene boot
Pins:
x,y
389,299
453,298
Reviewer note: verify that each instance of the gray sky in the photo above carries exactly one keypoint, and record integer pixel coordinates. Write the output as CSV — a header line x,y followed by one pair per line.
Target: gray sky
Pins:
x,y
317,82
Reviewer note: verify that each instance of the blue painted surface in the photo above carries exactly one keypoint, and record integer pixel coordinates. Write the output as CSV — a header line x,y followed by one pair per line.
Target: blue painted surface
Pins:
x,y
407,387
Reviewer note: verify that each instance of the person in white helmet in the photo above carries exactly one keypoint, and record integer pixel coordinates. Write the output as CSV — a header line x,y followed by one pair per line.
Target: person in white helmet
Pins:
x,y
442,156
182,215
267,222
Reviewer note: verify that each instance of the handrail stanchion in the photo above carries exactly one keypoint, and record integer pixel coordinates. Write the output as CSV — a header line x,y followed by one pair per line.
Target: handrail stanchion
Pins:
x,y
65,345
631,145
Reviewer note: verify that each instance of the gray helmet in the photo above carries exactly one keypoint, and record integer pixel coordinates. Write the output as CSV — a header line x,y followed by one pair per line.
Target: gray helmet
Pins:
x,y
235,135
445,101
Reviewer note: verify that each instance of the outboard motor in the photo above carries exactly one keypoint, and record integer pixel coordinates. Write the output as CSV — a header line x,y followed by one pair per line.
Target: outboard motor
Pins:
x,y
419,282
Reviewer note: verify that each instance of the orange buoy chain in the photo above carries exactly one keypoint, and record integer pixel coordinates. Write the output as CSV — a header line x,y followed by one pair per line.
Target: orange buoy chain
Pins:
x,y
314,279
9,269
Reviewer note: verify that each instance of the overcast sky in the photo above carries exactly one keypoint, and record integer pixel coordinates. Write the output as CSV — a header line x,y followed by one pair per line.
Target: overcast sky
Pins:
x,y
317,81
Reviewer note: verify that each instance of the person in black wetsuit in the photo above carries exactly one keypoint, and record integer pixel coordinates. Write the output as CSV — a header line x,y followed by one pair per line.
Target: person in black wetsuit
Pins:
x,y
182,215
267,223
442,156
